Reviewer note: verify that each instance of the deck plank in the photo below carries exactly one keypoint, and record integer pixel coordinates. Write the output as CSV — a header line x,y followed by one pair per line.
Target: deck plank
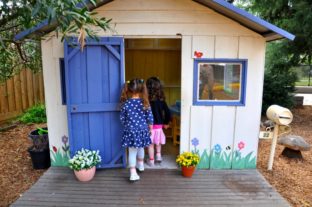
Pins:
x,y
58,187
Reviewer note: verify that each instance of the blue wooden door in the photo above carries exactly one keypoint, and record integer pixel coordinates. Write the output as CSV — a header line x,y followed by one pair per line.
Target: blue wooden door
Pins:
x,y
94,78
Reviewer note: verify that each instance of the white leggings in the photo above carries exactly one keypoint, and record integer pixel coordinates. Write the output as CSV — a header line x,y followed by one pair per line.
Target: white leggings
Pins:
x,y
133,154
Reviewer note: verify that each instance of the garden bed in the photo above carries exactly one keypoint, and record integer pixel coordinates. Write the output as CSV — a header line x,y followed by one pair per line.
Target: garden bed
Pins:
x,y
291,178
17,174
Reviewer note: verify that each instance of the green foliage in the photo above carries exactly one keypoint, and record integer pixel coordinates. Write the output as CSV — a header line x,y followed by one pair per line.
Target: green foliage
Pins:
x,y
71,17
35,114
40,139
42,131
294,16
283,56
279,79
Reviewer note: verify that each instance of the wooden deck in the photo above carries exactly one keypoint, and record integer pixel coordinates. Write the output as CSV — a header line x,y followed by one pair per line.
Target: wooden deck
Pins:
x,y
58,187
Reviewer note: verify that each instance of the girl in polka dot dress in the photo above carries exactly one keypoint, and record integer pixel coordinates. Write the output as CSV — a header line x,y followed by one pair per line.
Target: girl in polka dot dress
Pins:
x,y
137,118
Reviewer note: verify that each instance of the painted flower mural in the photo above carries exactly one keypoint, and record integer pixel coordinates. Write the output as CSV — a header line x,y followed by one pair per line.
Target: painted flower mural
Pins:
x,y
234,157
241,145
60,156
204,157
195,143
65,141
240,160
217,148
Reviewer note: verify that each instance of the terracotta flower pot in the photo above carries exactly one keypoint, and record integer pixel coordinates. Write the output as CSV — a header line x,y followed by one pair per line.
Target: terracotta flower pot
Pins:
x,y
85,174
188,171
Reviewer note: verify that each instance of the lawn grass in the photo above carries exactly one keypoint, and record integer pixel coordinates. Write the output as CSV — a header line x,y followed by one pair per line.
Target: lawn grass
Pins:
x,y
303,82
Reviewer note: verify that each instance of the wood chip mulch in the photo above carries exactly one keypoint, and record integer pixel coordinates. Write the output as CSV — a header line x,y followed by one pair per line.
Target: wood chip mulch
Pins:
x,y
291,178
17,174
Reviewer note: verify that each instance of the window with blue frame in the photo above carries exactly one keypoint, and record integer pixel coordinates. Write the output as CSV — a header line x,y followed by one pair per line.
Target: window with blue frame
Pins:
x,y
220,82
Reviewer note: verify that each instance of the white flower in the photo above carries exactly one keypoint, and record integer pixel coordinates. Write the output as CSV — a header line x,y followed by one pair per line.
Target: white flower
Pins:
x,y
85,159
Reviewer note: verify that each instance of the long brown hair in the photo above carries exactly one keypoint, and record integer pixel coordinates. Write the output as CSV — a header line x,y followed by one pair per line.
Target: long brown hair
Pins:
x,y
135,86
155,89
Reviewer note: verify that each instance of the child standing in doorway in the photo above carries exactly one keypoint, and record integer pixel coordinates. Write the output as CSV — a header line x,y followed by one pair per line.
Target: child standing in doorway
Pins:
x,y
137,118
162,117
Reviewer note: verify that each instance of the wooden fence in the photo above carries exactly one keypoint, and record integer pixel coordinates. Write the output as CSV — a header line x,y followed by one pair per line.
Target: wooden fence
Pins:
x,y
19,93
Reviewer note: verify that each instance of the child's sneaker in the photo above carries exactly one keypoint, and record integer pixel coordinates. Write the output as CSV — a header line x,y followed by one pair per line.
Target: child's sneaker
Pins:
x,y
140,167
158,157
134,177
150,163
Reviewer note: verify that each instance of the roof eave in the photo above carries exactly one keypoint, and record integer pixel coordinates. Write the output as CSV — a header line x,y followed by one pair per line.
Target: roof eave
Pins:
x,y
236,13
272,32
46,26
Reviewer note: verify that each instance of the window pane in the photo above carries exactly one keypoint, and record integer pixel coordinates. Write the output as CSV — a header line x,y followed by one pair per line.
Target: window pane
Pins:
x,y
219,81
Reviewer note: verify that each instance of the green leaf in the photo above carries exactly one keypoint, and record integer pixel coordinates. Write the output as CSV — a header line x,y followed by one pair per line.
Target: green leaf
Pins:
x,y
93,2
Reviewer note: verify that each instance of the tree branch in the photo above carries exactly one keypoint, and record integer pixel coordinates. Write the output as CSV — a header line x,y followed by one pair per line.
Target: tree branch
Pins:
x,y
20,52
11,27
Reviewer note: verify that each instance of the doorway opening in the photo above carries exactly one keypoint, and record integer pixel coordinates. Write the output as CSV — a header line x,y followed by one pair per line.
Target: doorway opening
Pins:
x,y
159,57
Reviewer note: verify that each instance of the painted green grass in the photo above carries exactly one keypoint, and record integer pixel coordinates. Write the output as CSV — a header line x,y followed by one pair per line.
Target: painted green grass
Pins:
x,y
232,160
239,162
221,160
59,159
204,162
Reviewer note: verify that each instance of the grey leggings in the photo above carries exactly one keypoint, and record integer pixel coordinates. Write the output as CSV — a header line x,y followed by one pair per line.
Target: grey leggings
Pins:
x,y
135,153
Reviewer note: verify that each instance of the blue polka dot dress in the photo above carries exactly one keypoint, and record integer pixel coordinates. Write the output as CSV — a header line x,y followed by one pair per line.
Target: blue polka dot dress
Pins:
x,y
135,121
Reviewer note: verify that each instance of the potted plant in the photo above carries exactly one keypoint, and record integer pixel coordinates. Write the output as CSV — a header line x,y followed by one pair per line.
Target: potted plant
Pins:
x,y
39,151
188,162
83,163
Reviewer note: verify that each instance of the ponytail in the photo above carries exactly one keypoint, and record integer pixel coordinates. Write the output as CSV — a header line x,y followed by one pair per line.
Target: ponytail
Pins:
x,y
145,97
135,86
124,94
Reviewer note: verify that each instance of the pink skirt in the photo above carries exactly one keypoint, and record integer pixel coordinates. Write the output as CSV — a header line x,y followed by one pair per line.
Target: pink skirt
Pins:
x,y
158,136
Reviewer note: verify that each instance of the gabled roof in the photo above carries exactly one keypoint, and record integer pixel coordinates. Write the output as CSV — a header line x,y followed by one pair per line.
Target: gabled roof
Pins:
x,y
268,31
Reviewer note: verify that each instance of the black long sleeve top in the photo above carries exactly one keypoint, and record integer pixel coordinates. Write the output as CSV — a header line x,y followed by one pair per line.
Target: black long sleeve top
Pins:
x,y
161,112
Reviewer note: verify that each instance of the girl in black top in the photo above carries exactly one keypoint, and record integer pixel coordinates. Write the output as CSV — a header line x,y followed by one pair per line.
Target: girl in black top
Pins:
x,y
162,117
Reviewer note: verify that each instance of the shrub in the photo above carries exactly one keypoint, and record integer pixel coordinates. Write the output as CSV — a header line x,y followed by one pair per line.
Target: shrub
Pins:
x,y
35,114
279,87
279,79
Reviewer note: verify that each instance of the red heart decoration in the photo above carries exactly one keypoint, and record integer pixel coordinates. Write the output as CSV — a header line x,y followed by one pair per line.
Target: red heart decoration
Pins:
x,y
198,54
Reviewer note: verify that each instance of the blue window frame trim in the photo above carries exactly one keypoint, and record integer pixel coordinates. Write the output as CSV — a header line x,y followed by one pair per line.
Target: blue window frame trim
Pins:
x,y
240,102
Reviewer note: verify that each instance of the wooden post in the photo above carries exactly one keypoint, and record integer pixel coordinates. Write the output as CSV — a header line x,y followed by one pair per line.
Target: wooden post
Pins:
x,y
273,145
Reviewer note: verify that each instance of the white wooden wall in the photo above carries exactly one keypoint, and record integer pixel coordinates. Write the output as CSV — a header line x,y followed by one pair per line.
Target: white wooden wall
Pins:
x,y
201,29
52,51
227,126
